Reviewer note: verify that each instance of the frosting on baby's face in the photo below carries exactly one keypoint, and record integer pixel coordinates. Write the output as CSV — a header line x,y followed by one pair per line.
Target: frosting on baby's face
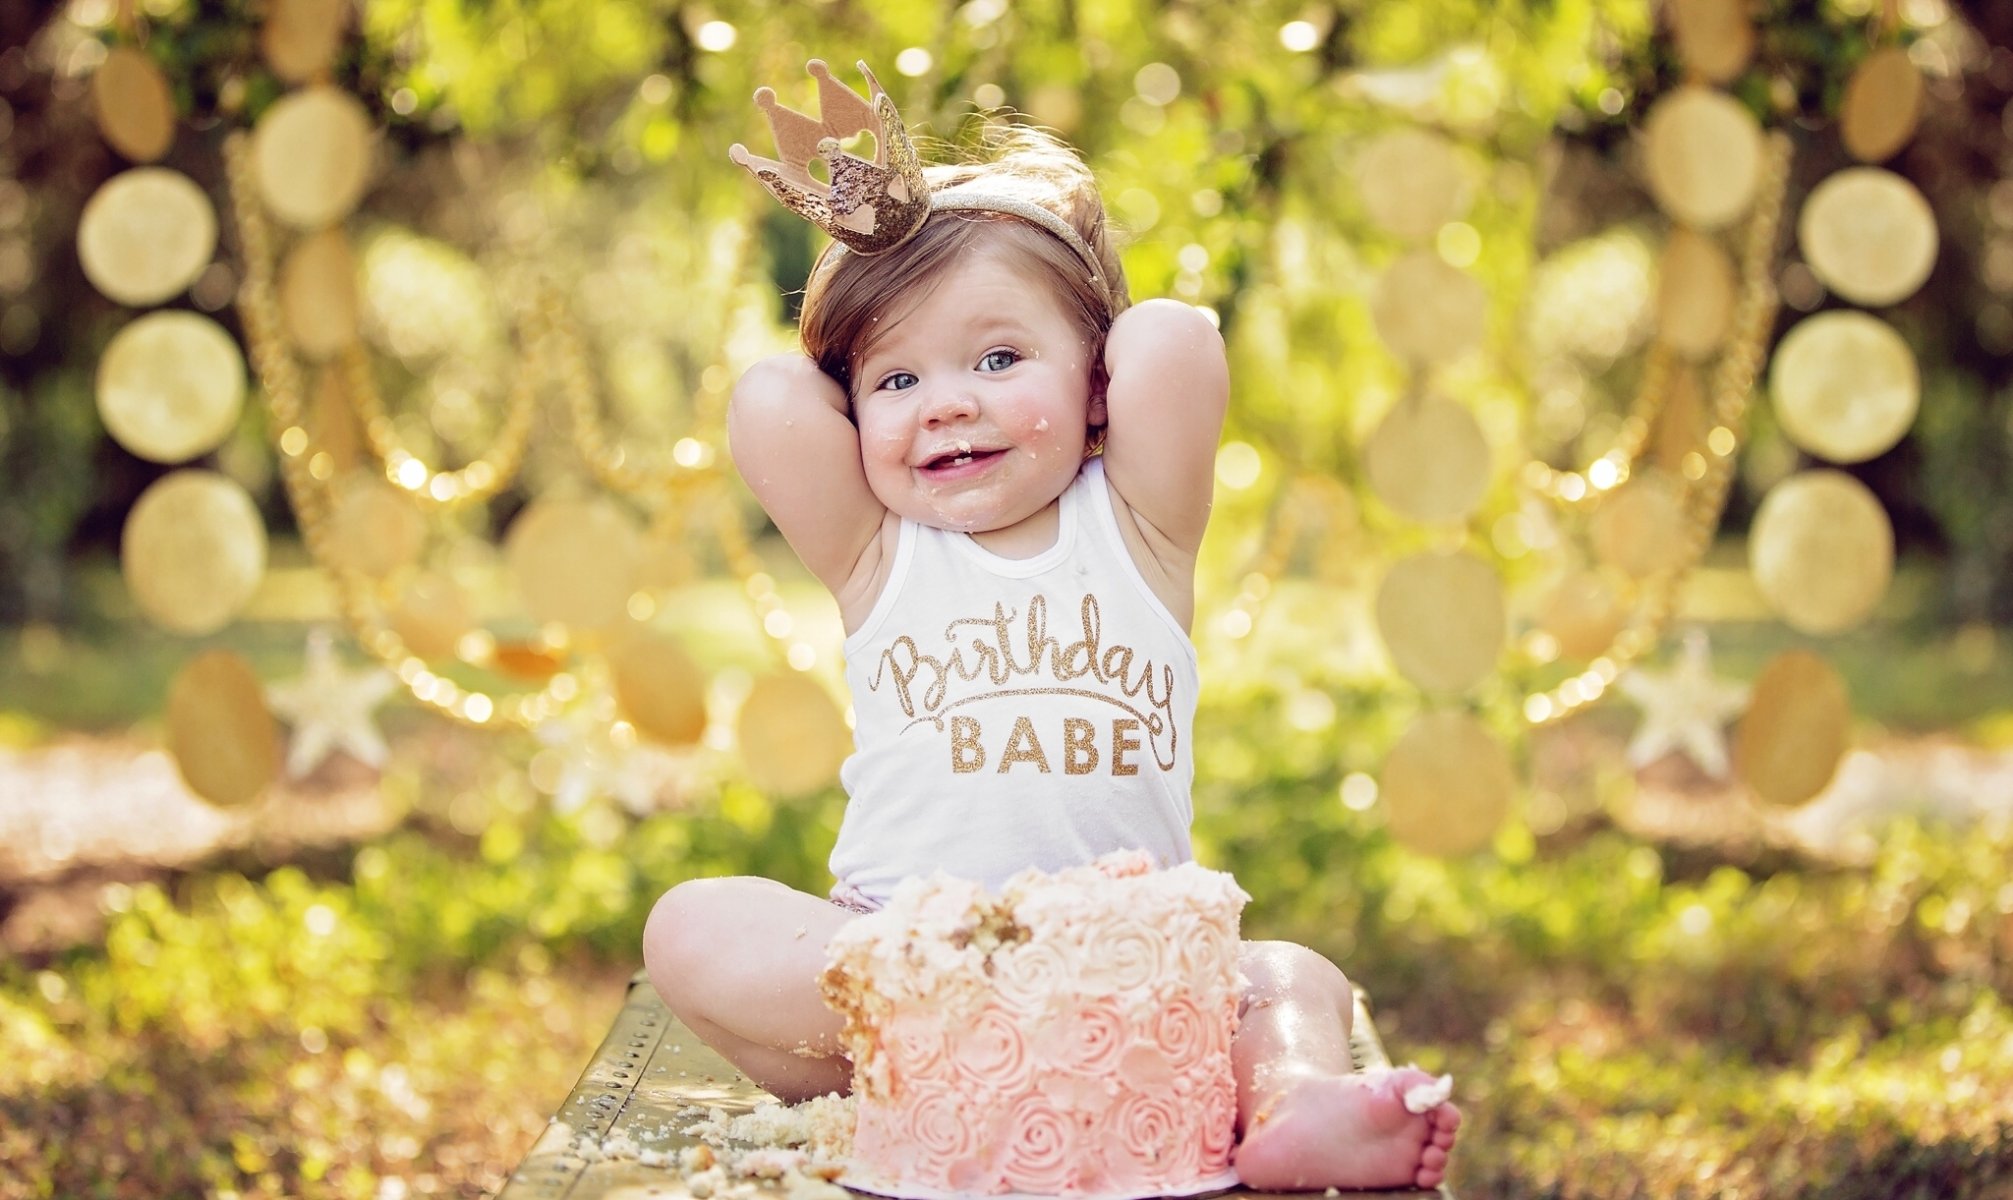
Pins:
x,y
974,408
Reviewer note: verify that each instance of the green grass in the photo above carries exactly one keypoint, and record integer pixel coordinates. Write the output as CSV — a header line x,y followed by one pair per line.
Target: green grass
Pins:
x,y
1613,1033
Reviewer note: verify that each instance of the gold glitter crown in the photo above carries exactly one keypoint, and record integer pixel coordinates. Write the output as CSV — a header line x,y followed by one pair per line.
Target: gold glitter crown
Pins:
x,y
871,207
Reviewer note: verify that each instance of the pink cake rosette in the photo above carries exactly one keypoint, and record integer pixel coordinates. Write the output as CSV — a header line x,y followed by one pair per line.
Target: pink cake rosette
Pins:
x,y
1088,1037
1041,1146
916,1041
1151,1131
1219,1123
936,1124
1182,1034
1204,957
1126,955
992,1054
1031,975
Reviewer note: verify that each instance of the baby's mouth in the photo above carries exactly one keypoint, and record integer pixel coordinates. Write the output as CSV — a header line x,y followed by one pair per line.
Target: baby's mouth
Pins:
x,y
964,455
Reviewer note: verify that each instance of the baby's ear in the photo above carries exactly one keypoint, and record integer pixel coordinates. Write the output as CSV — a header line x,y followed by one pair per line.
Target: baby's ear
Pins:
x,y
1100,383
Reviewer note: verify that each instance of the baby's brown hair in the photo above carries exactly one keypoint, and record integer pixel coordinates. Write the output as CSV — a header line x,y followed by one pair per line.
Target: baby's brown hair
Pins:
x,y
851,300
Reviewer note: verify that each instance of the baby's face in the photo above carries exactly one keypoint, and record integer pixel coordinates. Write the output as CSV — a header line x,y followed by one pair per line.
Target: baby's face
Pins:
x,y
974,408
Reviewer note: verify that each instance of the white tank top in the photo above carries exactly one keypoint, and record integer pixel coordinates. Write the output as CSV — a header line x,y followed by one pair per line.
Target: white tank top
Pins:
x,y
1011,713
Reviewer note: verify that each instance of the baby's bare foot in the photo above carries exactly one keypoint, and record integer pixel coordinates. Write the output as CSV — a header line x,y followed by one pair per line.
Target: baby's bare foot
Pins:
x,y
1347,1131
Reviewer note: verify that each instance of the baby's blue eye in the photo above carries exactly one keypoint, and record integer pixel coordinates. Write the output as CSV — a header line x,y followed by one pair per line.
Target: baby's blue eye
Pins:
x,y
897,381
999,360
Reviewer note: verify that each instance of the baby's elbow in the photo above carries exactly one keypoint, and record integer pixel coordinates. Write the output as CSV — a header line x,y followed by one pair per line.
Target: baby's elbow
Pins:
x,y
1168,329
779,375
1180,321
780,383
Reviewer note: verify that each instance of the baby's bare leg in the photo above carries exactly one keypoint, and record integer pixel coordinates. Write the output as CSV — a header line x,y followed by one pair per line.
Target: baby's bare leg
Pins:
x,y
1309,1121
738,961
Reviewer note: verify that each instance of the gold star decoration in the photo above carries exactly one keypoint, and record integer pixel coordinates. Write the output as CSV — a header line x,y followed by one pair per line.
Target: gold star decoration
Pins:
x,y
329,707
590,753
1685,708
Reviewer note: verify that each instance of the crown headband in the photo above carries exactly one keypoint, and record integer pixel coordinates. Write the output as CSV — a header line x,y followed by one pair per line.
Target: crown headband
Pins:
x,y
872,207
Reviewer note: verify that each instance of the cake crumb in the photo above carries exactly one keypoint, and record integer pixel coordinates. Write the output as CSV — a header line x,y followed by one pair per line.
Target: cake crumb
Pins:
x,y
694,1159
769,1162
620,1145
803,1187
774,1141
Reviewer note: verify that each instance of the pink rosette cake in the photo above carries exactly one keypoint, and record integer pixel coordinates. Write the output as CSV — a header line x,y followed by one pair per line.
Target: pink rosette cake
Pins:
x,y
1067,1037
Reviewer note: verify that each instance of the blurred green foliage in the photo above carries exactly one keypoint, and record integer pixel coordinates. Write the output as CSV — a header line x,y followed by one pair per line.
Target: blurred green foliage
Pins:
x,y
1620,1026
46,454
586,141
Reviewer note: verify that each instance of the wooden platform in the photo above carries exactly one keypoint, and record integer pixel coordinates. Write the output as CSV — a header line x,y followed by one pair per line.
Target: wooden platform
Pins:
x,y
650,1066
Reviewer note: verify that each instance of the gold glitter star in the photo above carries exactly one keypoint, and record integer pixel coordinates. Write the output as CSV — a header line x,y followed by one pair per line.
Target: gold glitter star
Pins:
x,y
590,753
1685,708
329,708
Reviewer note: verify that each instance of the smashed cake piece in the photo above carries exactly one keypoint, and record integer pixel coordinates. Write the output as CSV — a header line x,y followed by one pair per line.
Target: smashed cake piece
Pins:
x,y
1069,1036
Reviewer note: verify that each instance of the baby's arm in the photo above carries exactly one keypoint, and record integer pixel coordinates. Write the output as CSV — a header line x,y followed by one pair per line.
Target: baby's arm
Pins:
x,y
1169,387
792,442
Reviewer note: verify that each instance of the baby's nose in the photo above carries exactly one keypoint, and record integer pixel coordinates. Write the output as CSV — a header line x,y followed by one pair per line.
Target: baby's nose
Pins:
x,y
949,403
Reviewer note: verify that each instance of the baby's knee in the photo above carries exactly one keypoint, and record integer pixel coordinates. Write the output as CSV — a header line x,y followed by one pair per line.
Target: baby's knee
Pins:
x,y
1276,969
683,935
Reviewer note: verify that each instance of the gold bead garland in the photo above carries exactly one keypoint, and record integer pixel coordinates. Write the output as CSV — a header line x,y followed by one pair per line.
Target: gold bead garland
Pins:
x,y
553,322
1707,469
1613,468
760,589
704,481
554,351
279,377
609,465
557,346
1705,495
488,474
